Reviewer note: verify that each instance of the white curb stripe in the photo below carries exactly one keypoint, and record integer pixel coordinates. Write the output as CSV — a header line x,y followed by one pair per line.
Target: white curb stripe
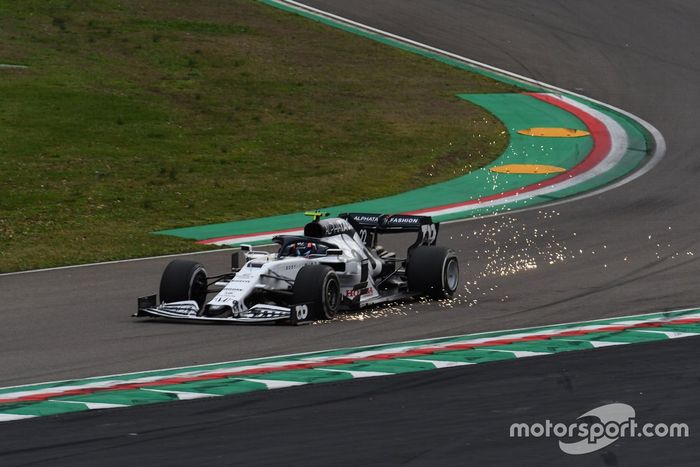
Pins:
x,y
438,363
273,383
92,405
669,334
183,395
520,353
598,344
8,417
357,373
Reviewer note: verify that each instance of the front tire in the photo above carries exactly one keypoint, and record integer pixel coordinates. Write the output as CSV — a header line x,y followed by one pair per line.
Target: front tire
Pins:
x,y
318,286
433,271
184,280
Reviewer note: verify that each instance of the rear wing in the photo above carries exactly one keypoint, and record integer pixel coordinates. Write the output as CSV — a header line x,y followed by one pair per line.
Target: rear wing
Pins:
x,y
368,226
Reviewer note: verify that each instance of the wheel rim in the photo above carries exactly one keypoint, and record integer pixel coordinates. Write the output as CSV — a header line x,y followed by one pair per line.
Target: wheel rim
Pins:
x,y
198,288
332,295
451,275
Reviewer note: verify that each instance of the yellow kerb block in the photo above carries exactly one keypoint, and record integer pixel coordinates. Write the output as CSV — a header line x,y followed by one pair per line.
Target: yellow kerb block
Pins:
x,y
527,169
554,132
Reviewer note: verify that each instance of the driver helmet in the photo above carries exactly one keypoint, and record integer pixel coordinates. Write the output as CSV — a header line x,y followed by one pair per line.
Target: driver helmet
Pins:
x,y
305,249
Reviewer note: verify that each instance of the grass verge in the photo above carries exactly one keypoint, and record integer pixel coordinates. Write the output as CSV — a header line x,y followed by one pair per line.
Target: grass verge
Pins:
x,y
135,116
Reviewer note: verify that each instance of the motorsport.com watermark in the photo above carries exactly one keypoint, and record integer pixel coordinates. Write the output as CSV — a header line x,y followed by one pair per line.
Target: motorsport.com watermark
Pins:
x,y
601,427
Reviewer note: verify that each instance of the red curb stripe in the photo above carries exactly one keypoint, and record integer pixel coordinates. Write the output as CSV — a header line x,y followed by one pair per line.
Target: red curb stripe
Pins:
x,y
602,144
687,321
601,147
345,360
573,333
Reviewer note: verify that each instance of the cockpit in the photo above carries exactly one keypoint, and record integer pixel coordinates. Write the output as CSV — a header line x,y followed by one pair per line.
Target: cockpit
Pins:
x,y
302,246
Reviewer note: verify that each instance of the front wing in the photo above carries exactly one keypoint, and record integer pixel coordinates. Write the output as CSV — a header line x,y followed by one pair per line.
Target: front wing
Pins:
x,y
261,313
189,311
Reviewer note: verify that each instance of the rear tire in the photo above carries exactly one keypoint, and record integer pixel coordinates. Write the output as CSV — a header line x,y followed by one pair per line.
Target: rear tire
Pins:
x,y
184,280
318,286
433,271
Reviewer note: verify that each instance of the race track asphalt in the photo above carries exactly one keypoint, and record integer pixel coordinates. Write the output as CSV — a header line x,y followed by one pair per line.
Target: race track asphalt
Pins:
x,y
632,54
459,416
630,250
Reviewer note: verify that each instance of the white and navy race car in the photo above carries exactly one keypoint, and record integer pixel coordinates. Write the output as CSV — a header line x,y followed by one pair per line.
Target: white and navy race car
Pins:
x,y
336,265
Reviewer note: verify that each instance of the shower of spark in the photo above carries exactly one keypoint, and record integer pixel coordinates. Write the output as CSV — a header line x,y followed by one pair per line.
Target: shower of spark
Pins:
x,y
505,246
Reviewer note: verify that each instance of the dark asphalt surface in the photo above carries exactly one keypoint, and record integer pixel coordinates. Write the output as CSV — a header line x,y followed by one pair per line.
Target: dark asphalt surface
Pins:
x,y
630,250
631,247
445,417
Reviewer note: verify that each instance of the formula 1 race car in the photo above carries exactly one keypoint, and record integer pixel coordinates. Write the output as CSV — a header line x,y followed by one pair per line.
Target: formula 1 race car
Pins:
x,y
337,264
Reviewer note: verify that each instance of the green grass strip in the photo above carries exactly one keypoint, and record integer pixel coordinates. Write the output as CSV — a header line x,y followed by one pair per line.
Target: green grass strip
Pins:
x,y
134,116
516,111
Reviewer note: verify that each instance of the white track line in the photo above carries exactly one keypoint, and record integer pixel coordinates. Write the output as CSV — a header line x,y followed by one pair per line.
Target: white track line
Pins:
x,y
118,261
